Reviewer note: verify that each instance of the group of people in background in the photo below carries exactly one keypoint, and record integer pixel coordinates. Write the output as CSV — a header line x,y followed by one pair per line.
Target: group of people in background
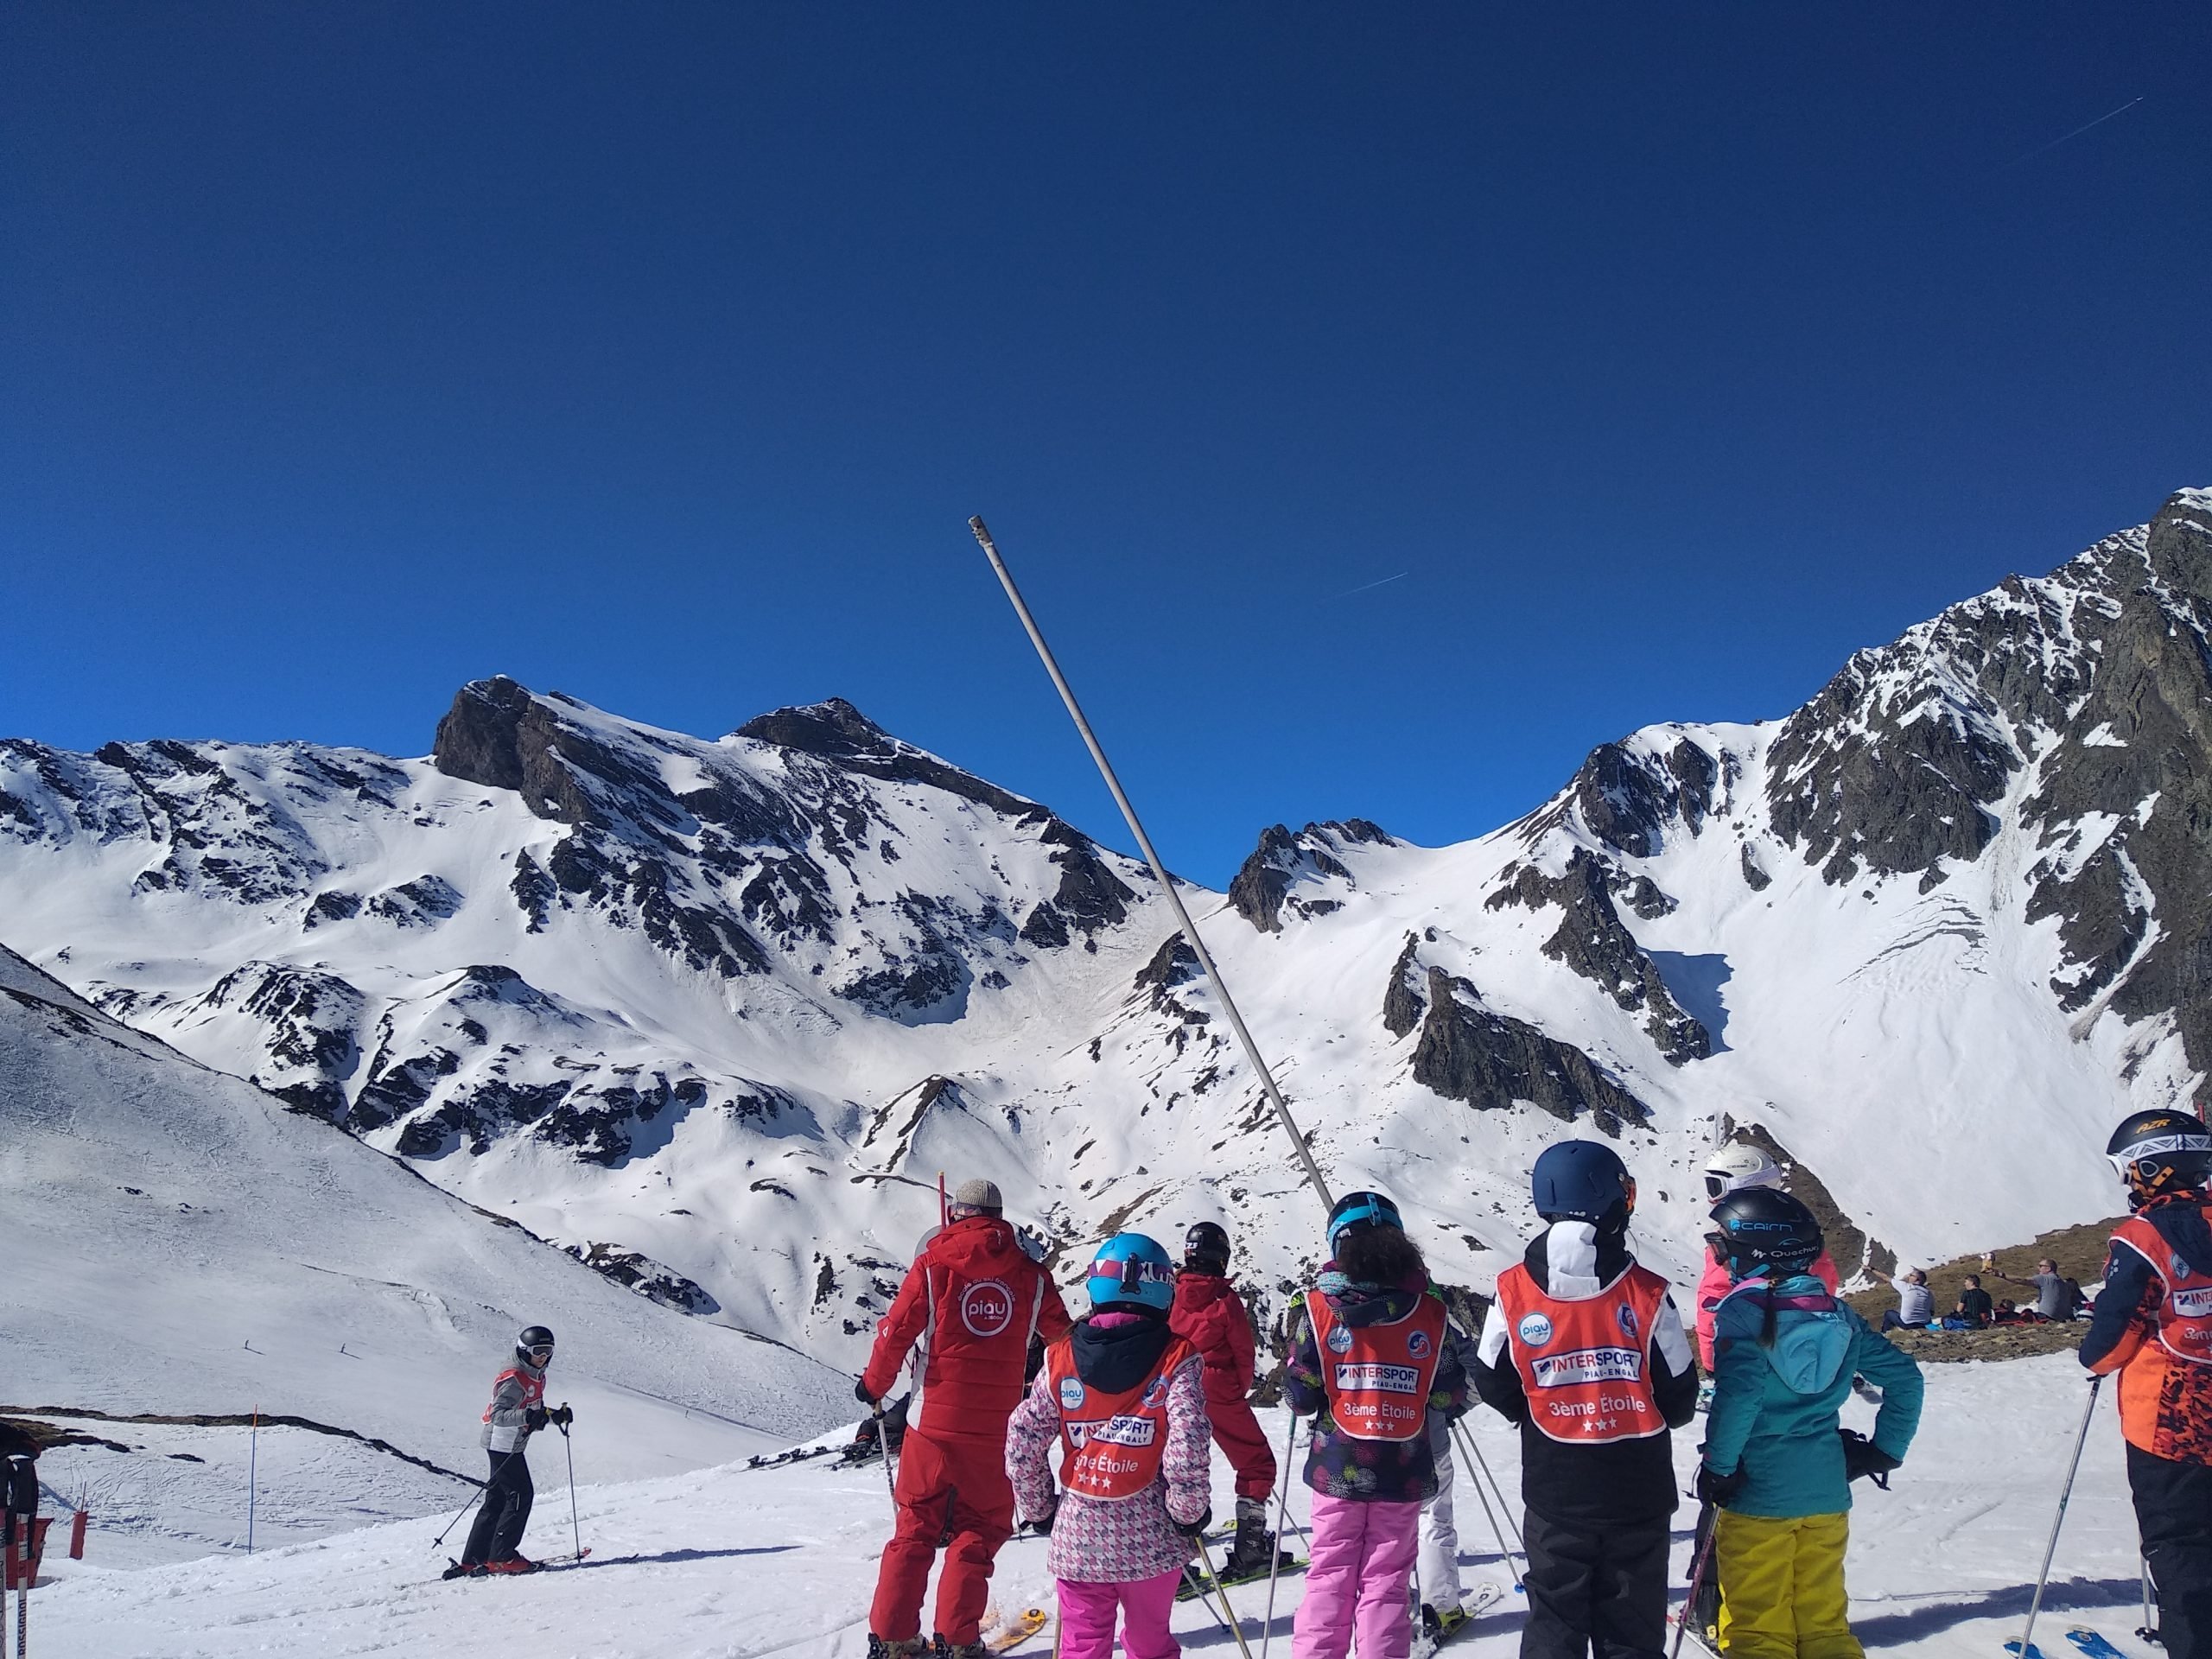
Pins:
x,y
2058,1298
1099,1431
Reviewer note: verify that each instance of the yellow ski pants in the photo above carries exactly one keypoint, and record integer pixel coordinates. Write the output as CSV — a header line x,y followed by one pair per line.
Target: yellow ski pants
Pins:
x,y
1782,1587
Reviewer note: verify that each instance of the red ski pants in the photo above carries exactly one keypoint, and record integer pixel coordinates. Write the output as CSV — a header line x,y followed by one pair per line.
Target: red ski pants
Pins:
x,y
946,1485
1237,1431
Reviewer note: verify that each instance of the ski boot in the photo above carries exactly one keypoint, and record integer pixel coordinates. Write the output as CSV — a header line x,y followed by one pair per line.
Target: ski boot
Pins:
x,y
913,1647
1437,1623
463,1569
513,1563
975,1649
1253,1550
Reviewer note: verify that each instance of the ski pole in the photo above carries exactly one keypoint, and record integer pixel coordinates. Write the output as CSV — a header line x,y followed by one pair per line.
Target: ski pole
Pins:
x,y
1282,1514
474,1498
2147,1630
252,1461
1697,1577
1504,1508
1205,1556
1159,870
2034,1606
575,1530
1468,1450
883,1440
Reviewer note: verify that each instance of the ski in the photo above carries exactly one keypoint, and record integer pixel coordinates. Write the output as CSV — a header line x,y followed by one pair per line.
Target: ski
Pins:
x,y
1016,1630
797,1454
2094,1644
1191,1588
554,1564
2013,1647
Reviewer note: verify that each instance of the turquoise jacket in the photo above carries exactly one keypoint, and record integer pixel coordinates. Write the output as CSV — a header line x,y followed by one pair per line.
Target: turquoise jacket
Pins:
x,y
1774,1407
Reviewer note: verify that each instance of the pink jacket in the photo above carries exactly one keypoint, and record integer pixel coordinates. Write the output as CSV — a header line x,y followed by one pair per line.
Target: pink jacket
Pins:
x,y
1114,1542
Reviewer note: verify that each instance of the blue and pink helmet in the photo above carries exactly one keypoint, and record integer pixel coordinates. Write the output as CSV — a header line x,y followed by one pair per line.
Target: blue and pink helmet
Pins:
x,y
1131,1270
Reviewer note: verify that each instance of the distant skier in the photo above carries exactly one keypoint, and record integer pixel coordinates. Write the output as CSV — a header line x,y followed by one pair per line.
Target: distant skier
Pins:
x,y
972,1301
517,1411
1777,1463
1122,1400
1369,1363
1738,1167
1209,1315
1584,1350
2150,1325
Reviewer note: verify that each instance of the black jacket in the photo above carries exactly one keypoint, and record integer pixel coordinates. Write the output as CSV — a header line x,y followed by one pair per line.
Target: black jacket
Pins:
x,y
1591,1485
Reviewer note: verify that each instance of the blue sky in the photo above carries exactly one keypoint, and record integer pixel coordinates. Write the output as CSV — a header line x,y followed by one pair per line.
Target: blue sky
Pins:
x,y
658,354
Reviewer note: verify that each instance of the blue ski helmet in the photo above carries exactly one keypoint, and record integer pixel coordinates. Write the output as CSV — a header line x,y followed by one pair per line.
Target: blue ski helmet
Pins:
x,y
1362,1209
1580,1181
1131,1271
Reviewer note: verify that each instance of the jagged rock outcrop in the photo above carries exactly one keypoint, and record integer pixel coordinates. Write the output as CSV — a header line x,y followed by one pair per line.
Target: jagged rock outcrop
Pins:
x,y
1592,940
1263,885
1403,1006
1492,1061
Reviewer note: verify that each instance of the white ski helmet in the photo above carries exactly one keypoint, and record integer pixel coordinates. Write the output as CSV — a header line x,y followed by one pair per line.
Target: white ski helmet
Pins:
x,y
1737,1167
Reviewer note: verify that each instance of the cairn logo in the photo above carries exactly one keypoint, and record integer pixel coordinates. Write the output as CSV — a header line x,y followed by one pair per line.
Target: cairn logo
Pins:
x,y
1071,1393
987,1308
1417,1343
1624,1316
1535,1329
1340,1339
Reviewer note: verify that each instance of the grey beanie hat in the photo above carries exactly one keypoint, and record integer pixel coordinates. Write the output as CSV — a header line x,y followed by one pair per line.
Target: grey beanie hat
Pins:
x,y
980,1195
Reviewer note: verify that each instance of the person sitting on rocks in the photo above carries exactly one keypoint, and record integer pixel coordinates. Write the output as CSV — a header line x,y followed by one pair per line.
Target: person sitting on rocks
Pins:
x,y
2057,1297
1974,1309
1915,1308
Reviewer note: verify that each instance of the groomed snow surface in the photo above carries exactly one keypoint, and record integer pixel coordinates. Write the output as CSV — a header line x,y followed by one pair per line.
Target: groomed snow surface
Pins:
x,y
729,1563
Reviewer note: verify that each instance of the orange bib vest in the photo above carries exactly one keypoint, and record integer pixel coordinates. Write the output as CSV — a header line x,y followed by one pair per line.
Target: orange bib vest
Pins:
x,y
2185,1311
533,1388
1111,1445
1378,1376
1585,1366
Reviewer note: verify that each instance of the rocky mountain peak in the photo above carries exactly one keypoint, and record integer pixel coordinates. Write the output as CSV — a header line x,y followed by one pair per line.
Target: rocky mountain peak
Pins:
x,y
833,729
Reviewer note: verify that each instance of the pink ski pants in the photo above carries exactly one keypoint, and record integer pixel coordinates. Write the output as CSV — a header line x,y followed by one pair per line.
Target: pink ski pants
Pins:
x,y
1356,1585
1087,1617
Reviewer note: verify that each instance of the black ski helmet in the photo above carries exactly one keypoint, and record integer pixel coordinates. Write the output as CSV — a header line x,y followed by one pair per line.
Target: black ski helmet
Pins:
x,y
1205,1248
1764,1227
532,1340
1362,1210
2161,1151
1581,1180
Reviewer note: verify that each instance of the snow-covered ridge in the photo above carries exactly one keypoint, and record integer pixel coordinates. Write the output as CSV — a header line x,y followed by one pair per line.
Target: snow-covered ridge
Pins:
x,y
720,1010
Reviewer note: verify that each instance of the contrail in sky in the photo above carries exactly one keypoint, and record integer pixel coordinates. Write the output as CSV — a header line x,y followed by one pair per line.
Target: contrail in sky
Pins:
x,y
2077,131
1365,586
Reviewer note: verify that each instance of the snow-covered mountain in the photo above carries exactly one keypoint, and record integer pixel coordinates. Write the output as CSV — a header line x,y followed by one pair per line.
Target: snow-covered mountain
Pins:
x,y
178,1242
714,1013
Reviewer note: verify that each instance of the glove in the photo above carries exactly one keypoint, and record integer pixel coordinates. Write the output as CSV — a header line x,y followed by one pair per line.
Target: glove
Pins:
x,y
561,1416
533,1418
1861,1457
860,1394
1195,1528
1717,1489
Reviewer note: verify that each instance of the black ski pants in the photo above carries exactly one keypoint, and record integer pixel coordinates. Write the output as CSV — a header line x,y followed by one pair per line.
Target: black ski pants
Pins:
x,y
2173,1510
496,1534
1596,1591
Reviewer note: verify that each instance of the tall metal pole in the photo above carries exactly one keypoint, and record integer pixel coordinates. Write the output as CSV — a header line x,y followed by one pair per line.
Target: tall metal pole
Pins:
x,y
1159,870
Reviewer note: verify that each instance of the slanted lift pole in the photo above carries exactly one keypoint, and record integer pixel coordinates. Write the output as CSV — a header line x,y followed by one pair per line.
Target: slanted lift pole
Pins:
x,y
1159,870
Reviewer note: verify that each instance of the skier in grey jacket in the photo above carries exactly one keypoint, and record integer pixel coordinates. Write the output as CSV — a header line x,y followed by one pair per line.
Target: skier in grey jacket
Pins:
x,y
517,1411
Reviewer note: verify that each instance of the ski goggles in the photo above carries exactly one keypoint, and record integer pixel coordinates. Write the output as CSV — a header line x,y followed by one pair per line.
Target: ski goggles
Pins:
x,y
1374,1208
543,1352
2156,1145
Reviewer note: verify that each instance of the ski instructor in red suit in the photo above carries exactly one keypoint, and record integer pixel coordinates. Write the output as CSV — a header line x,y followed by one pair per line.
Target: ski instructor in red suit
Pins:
x,y
970,1304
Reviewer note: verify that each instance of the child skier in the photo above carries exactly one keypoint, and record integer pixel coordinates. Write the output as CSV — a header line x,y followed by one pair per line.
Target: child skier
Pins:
x,y
517,1411
1583,1348
2148,1326
1369,1363
1777,1463
1209,1315
1735,1168
1121,1398
1443,1602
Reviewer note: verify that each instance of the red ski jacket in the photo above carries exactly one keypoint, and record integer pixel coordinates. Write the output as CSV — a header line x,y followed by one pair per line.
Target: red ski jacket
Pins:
x,y
1209,1315
970,1303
